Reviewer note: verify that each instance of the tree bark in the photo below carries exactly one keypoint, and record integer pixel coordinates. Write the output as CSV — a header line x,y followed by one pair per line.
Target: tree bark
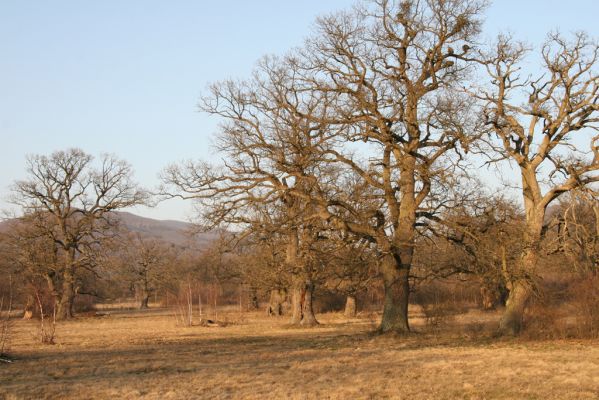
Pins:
x,y
350,306
65,305
521,281
397,289
145,298
511,321
308,317
297,291
520,291
400,250
296,305
144,295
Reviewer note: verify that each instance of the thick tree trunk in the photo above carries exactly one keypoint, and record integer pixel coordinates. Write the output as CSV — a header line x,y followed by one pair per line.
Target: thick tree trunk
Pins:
x,y
297,291
397,290
67,296
302,300
521,280
64,309
65,305
144,295
398,261
308,317
350,306
511,321
520,291
145,298
296,305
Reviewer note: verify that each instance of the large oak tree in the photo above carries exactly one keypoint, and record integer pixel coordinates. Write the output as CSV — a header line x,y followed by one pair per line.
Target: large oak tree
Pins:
x,y
540,124
69,200
394,70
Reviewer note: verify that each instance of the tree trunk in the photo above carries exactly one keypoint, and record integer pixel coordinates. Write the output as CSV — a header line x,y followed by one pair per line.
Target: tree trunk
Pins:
x,y
291,258
296,305
145,298
520,291
511,321
350,306
308,317
64,310
396,265
144,295
521,282
65,305
397,292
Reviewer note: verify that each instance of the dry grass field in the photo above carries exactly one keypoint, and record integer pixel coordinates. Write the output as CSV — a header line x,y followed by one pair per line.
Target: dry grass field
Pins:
x,y
145,355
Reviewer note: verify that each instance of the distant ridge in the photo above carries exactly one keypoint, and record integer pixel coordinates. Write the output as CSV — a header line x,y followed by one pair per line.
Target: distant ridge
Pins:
x,y
176,232
170,231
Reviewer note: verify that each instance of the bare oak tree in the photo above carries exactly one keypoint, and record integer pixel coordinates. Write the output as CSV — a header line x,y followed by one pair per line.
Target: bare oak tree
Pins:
x,y
393,70
70,200
272,159
143,262
535,123
34,258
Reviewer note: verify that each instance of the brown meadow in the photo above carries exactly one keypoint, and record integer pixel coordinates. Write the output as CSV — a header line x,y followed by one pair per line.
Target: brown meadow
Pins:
x,y
145,355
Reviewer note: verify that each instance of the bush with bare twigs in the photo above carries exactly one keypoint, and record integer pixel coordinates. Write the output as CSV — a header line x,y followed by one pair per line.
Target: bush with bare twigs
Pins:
x,y
197,304
442,301
586,303
184,306
47,328
564,307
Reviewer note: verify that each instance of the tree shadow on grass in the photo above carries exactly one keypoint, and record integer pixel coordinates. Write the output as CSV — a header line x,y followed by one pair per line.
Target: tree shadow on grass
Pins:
x,y
240,357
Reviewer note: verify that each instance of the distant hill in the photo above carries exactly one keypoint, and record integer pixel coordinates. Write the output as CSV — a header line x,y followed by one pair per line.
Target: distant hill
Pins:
x,y
168,230
175,232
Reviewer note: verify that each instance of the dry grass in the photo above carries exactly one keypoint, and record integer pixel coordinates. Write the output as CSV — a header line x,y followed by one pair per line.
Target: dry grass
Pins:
x,y
134,354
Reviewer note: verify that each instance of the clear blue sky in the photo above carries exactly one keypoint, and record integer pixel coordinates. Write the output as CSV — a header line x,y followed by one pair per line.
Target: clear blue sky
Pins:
x,y
125,76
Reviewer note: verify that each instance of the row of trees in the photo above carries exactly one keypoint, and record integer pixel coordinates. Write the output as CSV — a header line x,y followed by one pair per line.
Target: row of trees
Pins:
x,y
252,263
107,261
370,129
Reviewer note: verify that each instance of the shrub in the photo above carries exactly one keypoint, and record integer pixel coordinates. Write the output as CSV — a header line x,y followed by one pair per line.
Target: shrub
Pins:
x,y
585,299
565,306
47,327
442,301
83,303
